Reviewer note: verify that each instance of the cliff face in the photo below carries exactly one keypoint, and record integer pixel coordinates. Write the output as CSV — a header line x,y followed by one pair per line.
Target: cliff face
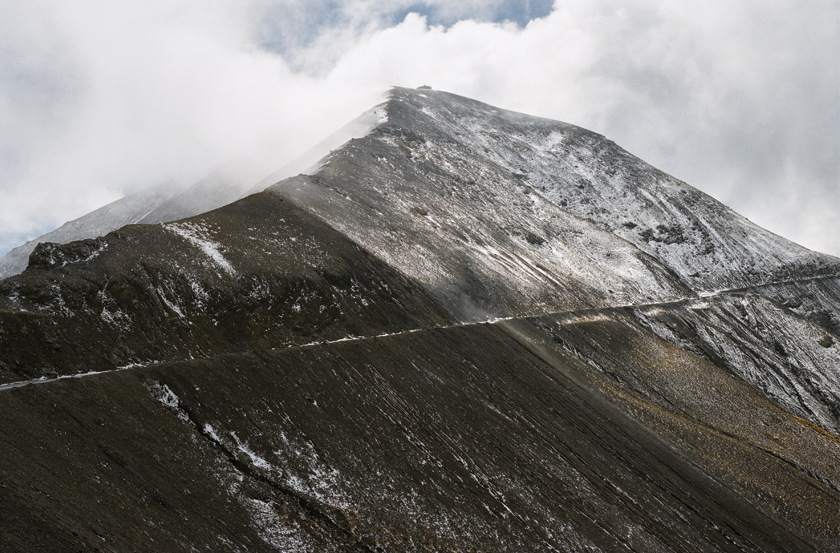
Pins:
x,y
467,329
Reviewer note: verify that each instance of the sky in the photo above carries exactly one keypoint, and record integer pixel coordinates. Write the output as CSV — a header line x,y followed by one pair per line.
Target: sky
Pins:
x,y
100,99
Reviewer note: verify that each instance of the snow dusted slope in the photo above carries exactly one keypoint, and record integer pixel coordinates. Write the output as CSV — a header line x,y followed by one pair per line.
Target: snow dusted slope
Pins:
x,y
790,358
710,246
486,244
505,214
163,203
298,370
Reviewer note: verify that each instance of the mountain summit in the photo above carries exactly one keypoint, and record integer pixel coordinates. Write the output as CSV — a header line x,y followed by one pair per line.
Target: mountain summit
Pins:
x,y
462,329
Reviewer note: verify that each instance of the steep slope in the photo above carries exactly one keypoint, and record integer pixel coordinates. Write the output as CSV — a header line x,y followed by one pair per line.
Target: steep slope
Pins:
x,y
475,438
710,246
502,214
160,204
418,347
459,195
792,359
482,242
257,273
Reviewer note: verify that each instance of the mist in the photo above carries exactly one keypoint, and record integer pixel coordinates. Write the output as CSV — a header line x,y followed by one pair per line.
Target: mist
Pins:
x,y
740,99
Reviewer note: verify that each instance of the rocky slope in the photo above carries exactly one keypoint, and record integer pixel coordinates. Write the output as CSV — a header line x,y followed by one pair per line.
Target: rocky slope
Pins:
x,y
707,244
255,274
163,203
448,336
792,359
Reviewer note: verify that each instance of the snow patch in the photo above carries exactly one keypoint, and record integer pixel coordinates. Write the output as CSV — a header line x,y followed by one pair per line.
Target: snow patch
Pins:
x,y
167,397
170,304
197,235
256,460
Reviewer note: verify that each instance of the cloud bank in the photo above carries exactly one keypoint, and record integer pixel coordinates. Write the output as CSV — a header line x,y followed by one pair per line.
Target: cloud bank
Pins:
x,y
99,99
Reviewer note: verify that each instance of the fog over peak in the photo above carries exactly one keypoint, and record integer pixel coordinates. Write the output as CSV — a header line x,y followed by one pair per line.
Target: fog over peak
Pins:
x,y
98,100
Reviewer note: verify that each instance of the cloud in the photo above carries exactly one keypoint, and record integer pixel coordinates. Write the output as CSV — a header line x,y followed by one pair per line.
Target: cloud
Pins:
x,y
101,99
738,98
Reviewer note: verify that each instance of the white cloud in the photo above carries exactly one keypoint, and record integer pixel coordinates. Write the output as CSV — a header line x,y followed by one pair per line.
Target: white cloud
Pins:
x,y
739,98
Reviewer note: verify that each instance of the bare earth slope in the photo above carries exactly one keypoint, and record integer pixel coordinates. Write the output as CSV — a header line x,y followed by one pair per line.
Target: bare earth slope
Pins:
x,y
465,330
479,438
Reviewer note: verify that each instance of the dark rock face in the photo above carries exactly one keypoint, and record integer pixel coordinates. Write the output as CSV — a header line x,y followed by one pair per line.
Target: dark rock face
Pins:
x,y
47,254
468,330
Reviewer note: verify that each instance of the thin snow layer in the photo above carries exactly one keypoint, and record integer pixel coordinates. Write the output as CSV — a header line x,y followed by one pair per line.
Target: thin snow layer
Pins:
x,y
200,236
295,466
706,243
485,242
789,358
273,529
167,397
113,315
46,379
55,257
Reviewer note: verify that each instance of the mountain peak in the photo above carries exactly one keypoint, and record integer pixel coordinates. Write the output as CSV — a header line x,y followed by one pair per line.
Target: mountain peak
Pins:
x,y
710,246
448,154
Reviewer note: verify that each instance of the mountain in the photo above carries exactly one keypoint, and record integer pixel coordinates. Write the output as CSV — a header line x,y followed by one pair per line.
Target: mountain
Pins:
x,y
163,203
170,202
463,329
452,156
